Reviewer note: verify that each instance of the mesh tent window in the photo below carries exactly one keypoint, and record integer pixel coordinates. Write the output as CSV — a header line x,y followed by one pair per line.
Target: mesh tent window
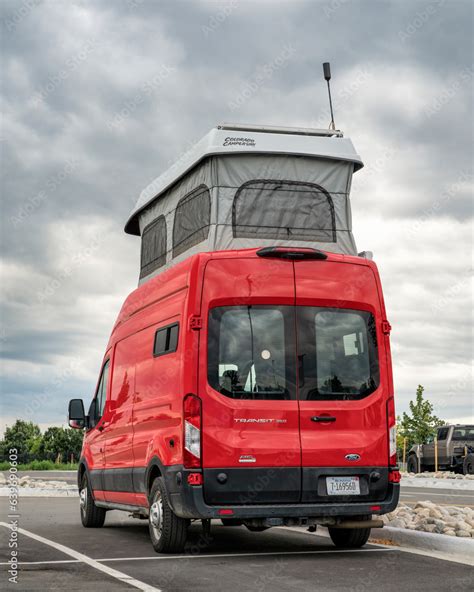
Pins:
x,y
291,210
153,253
191,219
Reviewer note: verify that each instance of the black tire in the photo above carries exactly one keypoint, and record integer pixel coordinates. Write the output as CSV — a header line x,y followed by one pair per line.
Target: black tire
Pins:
x,y
468,464
231,522
91,515
412,465
168,532
350,538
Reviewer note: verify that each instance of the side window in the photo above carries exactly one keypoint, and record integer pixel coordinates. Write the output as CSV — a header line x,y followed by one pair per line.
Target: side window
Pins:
x,y
98,402
443,433
166,340
191,220
290,210
153,253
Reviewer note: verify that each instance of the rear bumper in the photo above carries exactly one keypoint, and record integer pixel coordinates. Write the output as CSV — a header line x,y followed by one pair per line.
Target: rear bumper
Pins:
x,y
187,501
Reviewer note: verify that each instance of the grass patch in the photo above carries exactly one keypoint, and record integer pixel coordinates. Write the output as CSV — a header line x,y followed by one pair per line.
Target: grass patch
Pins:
x,y
40,465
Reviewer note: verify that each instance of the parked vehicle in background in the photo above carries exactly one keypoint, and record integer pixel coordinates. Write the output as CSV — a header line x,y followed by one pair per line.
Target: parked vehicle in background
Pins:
x,y
455,451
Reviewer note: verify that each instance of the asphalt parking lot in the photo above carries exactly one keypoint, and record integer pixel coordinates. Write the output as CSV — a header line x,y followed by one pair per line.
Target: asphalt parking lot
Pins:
x,y
57,553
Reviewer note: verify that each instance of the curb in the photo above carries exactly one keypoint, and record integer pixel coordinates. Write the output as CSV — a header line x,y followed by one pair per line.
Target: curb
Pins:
x,y
458,548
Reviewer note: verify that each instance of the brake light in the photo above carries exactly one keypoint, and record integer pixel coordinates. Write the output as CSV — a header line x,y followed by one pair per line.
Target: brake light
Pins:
x,y
192,432
394,476
392,431
225,512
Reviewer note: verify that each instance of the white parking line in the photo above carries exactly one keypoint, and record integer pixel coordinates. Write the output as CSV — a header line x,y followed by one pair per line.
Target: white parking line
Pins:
x,y
213,556
118,575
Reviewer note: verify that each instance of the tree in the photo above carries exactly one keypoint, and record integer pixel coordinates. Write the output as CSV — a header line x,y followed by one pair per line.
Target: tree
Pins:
x,y
61,443
25,437
418,425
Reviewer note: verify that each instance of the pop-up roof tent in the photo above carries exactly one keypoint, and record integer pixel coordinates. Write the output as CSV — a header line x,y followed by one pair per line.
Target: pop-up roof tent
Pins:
x,y
249,186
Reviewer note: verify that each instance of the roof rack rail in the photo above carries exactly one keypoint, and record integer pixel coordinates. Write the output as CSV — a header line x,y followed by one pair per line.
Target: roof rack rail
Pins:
x,y
298,131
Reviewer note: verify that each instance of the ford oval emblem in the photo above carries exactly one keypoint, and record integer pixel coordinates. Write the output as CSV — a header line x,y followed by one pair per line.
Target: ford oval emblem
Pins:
x,y
353,457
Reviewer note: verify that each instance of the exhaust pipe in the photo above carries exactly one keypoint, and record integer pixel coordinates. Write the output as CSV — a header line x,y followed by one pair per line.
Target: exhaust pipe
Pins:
x,y
358,524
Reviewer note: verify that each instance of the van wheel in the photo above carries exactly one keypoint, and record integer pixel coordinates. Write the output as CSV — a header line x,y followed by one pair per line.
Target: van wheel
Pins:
x,y
168,532
412,465
91,515
349,538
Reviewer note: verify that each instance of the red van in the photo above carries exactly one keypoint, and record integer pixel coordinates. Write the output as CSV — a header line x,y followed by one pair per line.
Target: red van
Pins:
x,y
252,386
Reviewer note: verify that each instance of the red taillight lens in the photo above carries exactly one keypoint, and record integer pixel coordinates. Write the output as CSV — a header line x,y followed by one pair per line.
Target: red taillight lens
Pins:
x,y
394,477
225,512
392,431
192,432
195,478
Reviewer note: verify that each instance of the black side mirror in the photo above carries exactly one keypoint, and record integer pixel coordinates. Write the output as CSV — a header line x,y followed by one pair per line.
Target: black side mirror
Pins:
x,y
76,415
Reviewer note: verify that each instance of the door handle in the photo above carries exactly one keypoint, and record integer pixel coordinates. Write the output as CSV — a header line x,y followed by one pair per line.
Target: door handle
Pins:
x,y
323,418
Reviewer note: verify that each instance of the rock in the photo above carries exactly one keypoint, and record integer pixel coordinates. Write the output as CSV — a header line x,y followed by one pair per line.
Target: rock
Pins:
x,y
429,528
398,523
24,479
462,526
427,504
435,513
463,533
450,533
425,512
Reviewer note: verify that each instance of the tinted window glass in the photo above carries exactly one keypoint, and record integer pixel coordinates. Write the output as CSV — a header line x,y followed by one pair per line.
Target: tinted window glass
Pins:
x,y
153,254
173,338
466,433
160,342
283,210
442,433
103,389
337,353
191,220
251,352
166,340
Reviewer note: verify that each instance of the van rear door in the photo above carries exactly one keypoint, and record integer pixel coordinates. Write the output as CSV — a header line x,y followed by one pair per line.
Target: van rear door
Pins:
x,y
342,380
250,426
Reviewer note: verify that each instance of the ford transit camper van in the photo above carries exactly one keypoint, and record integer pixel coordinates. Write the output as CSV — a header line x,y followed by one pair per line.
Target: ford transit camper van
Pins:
x,y
248,378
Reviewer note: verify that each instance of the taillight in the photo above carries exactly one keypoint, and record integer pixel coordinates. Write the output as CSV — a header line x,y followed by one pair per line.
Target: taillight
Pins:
x,y
394,476
192,432
392,431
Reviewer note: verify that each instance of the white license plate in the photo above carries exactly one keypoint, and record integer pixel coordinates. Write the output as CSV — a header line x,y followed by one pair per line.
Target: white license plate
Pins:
x,y
343,485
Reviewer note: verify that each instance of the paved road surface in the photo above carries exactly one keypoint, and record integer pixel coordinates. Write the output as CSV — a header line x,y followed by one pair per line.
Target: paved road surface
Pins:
x,y
234,559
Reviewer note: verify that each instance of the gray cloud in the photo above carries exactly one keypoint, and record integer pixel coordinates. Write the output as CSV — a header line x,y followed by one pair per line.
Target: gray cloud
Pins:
x,y
90,119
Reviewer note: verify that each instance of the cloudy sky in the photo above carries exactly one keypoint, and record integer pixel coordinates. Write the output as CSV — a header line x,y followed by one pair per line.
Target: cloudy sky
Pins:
x,y
99,97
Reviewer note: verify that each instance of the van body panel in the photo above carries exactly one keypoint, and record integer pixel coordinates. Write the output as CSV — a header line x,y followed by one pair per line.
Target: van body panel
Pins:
x,y
262,453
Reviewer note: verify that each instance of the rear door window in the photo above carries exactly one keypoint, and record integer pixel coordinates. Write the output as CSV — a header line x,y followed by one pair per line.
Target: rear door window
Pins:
x,y
337,353
251,352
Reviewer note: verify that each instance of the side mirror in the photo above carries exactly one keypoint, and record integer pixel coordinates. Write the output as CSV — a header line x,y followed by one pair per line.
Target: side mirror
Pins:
x,y
76,415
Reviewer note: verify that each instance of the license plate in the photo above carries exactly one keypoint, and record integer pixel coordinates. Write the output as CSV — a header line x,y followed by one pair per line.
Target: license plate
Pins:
x,y
343,485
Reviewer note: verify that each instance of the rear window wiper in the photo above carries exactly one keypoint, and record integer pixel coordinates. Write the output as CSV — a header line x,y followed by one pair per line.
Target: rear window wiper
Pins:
x,y
292,253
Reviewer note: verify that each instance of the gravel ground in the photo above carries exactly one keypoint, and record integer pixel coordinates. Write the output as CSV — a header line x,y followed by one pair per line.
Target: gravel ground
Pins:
x,y
430,517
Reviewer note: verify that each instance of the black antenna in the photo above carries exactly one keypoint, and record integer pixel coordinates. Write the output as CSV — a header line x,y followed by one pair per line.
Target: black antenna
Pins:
x,y
327,78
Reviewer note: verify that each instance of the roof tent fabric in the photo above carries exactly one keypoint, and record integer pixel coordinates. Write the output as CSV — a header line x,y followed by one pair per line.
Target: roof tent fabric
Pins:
x,y
246,200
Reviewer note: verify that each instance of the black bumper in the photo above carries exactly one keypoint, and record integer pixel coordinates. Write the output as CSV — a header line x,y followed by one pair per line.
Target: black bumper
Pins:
x,y
187,501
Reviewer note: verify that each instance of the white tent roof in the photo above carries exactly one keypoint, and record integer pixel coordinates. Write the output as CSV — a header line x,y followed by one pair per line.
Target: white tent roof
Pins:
x,y
235,139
